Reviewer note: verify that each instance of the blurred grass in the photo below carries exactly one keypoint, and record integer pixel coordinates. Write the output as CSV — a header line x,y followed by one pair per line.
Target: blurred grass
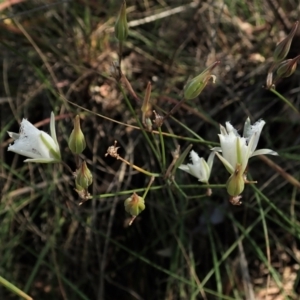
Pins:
x,y
57,56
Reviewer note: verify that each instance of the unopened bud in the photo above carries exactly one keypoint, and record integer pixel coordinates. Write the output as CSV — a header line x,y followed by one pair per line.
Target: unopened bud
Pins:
x,y
148,124
134,205
84,177
121,26
76,140
146,105
269,81
236,184
287,67
283,48
196,85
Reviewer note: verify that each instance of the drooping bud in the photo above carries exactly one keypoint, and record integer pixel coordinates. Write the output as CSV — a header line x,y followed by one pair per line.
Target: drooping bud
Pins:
x,y
236,184
287,67
196,85
76,140
134,205
121,26
269,81
283,48
83,177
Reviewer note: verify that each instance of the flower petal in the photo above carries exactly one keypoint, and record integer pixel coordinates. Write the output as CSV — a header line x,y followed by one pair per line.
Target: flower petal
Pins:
x,y
185,168
41,160
223,130
247,128
226,164
210,160
204,171
13,135
52,129
216,149
230,128
228,145
254,133
264,151
18,148
194,157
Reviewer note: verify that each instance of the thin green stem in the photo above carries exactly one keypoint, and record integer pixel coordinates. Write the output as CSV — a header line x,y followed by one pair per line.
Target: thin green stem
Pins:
x,y
14,289
285,101
162,144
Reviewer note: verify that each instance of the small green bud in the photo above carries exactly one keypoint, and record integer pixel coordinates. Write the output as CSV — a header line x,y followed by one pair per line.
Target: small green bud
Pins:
x,y
196,85
236,183
121,26
148,124
76,140
134,205
283,48
84,177
287,67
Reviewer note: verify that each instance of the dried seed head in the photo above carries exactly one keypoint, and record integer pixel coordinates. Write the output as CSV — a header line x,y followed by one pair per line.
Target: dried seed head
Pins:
x,y
235,200
159,120
113,151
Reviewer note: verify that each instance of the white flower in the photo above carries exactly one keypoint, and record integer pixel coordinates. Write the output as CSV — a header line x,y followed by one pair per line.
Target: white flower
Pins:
x,y
36,144
237,150
199,167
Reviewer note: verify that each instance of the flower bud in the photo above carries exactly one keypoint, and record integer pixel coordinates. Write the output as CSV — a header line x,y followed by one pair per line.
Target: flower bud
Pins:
x,y
121,26
76,140
134,205
148,124
146,105
236,184
84,177
283,48
196,85
269,81
287,67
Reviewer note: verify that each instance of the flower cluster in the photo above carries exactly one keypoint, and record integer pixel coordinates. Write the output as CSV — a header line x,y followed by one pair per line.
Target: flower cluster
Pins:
x,y
41,147
234,153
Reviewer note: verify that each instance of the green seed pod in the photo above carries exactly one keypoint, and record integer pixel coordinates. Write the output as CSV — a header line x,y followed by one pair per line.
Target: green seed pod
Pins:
x,y
76,140
287,67
236,183
283,48
121,26
84,177
196,85
134,205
